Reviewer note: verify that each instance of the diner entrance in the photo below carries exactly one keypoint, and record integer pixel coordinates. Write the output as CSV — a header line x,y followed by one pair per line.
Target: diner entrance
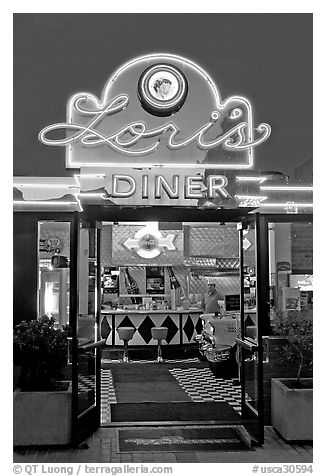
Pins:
x,y
141,278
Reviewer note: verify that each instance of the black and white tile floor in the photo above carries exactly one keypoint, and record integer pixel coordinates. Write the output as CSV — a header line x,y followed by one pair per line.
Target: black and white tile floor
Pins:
x,y
86,383
202,386
199,383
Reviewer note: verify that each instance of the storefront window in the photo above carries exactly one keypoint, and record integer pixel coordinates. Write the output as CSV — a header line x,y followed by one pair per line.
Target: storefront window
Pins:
x,y
53,272
291,266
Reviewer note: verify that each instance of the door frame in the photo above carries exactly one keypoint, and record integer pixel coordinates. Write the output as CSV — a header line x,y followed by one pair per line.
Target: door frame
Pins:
x,y
262,298
26,224
254,418
84,424
94,214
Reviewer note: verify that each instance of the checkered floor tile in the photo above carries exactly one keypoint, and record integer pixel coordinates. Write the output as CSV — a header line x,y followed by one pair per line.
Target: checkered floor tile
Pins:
x,y
86,383
199,383
108,395
202,386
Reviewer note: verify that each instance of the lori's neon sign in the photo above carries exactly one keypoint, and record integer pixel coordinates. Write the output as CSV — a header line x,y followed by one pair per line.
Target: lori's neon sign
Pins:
x,y
128,126
89,136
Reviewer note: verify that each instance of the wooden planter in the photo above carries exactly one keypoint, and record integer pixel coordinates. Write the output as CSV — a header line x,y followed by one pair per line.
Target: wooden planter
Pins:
x,y
292,410
42,418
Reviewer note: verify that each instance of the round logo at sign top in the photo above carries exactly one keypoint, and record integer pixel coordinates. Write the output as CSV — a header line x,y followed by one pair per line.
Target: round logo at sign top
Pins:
x,y
162,89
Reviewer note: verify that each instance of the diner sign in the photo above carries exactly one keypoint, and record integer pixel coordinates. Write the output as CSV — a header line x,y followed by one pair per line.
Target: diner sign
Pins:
x,y
160,133
152,186
158,110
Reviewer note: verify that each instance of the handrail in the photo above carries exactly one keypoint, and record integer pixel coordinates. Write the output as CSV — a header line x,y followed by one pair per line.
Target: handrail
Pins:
x,y
252,346
91,345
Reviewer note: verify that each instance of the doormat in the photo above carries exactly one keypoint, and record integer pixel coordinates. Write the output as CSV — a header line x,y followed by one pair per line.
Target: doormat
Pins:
x,y
178,439
174,411
134,383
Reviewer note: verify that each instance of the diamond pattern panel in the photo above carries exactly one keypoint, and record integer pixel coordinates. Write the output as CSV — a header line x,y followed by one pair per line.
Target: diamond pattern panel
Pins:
x,y
126,322
145,329
189,328
106,329
107,318
173,329
143,324
249,321
199,326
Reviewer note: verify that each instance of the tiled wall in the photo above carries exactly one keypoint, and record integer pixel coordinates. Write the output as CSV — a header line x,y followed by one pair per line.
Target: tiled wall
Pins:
x,y
302,248
201,241
221,241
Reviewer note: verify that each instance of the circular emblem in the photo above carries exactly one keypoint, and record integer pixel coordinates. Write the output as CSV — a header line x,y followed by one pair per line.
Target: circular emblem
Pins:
x,y
148,242
162,89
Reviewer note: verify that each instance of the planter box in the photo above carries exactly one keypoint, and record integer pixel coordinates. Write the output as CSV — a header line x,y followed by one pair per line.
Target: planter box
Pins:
x,y
42,418
292,410
274,367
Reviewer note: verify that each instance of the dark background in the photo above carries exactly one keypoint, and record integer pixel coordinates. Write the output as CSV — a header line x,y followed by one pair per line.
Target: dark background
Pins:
x,y
265,57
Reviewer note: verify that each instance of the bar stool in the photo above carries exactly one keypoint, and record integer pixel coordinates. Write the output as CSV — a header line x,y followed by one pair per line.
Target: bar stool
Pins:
x,y
125,334
159,333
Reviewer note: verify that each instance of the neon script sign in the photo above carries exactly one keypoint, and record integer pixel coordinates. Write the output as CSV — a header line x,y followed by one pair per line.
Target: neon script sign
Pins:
x,y
168,113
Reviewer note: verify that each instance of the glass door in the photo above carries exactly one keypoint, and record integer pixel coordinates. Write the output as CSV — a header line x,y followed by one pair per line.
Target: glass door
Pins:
x,y
250,341
86,337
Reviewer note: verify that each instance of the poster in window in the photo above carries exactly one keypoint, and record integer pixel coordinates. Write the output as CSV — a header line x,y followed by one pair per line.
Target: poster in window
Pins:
x,y
291,299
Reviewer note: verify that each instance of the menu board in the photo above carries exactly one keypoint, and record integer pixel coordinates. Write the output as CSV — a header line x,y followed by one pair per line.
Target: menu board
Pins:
x,y
232,302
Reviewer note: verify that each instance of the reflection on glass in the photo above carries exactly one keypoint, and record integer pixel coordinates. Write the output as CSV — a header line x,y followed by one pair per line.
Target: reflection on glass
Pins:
x,y
291,267
86,323
249,270
54,254
250,376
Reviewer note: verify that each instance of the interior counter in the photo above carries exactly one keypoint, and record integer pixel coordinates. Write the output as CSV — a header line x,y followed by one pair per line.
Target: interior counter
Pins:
x,y
183,325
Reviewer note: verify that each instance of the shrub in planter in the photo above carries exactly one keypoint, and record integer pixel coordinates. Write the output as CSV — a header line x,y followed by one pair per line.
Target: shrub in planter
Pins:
x,y
42,407
292,401
41,352
297,328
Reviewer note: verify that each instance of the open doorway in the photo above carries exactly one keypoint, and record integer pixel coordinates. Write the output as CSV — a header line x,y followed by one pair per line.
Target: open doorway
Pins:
x,y
155,275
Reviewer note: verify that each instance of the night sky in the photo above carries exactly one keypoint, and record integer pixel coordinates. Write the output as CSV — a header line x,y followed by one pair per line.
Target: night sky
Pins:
x,y
265,57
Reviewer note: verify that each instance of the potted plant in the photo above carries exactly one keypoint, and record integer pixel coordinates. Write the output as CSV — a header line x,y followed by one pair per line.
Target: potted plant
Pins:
x,y
292,398
42,403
